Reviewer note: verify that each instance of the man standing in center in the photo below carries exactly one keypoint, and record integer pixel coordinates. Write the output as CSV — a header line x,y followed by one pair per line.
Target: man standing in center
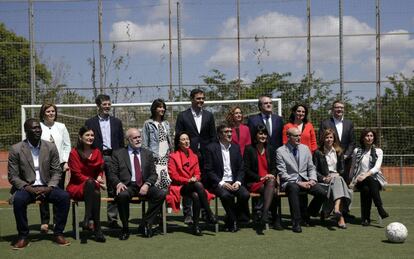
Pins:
x,y
199,124
224,171
273,122
109,136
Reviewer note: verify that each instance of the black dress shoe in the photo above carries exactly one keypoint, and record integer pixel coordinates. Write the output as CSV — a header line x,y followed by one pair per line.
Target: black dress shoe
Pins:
x,y
277,225
197,230
297,228
124,235
366,222
348,216
99,237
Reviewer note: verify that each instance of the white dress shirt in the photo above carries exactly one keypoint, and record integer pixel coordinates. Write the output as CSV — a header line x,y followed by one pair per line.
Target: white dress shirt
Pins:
x,y
197,118
35,155
105,125
339,126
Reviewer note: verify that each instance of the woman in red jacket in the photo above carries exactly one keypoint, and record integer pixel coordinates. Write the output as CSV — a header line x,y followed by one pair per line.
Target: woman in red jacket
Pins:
x,y
240,132
299,119
184,171
86,180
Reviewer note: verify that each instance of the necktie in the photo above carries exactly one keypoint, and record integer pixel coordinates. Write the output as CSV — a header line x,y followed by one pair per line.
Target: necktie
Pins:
x,y
268,125
137,167
295,154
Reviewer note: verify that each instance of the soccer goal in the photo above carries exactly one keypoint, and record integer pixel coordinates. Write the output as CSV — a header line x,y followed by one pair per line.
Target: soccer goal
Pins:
x,y
134,114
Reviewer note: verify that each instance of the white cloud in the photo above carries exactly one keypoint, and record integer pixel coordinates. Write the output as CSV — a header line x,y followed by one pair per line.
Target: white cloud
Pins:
x,y
359,51
127,30
408,69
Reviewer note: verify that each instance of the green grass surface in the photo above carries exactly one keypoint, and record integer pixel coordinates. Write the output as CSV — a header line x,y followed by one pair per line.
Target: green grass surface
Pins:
x,y
314,242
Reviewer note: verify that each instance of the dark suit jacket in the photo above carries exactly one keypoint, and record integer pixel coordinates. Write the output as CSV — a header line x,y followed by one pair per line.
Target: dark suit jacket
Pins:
x,y
277,128
214,167
319,160
120,167
21,169
348,135
117,132
251,165
185,122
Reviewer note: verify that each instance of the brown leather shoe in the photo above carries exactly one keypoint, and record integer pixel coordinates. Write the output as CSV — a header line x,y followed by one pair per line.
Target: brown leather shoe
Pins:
x,y
21,244
60,240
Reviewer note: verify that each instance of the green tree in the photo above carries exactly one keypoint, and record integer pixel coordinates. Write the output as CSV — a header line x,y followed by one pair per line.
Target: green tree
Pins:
x,y
15,82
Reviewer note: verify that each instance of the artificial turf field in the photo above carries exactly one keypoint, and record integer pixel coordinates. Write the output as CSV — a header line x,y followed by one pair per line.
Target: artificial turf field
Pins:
x,y
321,241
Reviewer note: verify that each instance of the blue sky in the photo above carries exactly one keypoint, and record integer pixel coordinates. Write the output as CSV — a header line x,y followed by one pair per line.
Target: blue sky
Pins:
x,y
147,63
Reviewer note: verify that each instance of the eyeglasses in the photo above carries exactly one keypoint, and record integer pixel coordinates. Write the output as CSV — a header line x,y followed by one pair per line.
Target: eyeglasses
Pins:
x,y
267,103
295,136
226,131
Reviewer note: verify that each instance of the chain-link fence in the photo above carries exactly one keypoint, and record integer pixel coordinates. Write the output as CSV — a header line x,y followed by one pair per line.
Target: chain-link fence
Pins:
x,y
308,51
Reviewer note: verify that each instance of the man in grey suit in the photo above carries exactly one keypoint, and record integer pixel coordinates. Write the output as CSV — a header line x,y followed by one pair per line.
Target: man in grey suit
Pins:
x,y
297,174
132,173
34,173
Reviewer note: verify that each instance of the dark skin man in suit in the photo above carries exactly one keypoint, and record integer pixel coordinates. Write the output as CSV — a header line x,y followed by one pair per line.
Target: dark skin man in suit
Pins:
x,y
34,173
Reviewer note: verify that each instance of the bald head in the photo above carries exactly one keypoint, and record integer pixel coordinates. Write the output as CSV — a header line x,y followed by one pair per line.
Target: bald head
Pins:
x,y
133,136
293,135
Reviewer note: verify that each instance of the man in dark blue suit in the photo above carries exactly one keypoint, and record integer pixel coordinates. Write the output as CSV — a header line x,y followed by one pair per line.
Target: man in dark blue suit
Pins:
x,y
273,122
225,174
200,126
109,136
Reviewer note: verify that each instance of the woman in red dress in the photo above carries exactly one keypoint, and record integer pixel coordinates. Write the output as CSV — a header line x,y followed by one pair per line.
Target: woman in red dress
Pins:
x,y
260,170
299,119
184,171
240,132
86,168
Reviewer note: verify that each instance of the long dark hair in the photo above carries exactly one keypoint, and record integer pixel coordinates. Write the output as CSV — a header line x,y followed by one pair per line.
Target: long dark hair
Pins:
x,y
293,111
79,145
155,104
177,139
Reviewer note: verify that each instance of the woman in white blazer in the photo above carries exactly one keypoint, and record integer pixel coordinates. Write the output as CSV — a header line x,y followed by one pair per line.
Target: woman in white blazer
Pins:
x,y
57,133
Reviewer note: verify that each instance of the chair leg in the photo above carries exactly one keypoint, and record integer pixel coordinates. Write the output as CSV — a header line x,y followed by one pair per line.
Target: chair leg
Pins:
x,y
75,221
164,218
216,212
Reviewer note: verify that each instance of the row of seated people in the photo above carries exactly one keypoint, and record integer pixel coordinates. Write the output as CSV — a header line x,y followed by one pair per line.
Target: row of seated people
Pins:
x,y
34,173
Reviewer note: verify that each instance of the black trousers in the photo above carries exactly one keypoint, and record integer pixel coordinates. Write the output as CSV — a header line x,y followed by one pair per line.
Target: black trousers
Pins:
x,y
234,210
298,203
155,199
369,191
57,197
